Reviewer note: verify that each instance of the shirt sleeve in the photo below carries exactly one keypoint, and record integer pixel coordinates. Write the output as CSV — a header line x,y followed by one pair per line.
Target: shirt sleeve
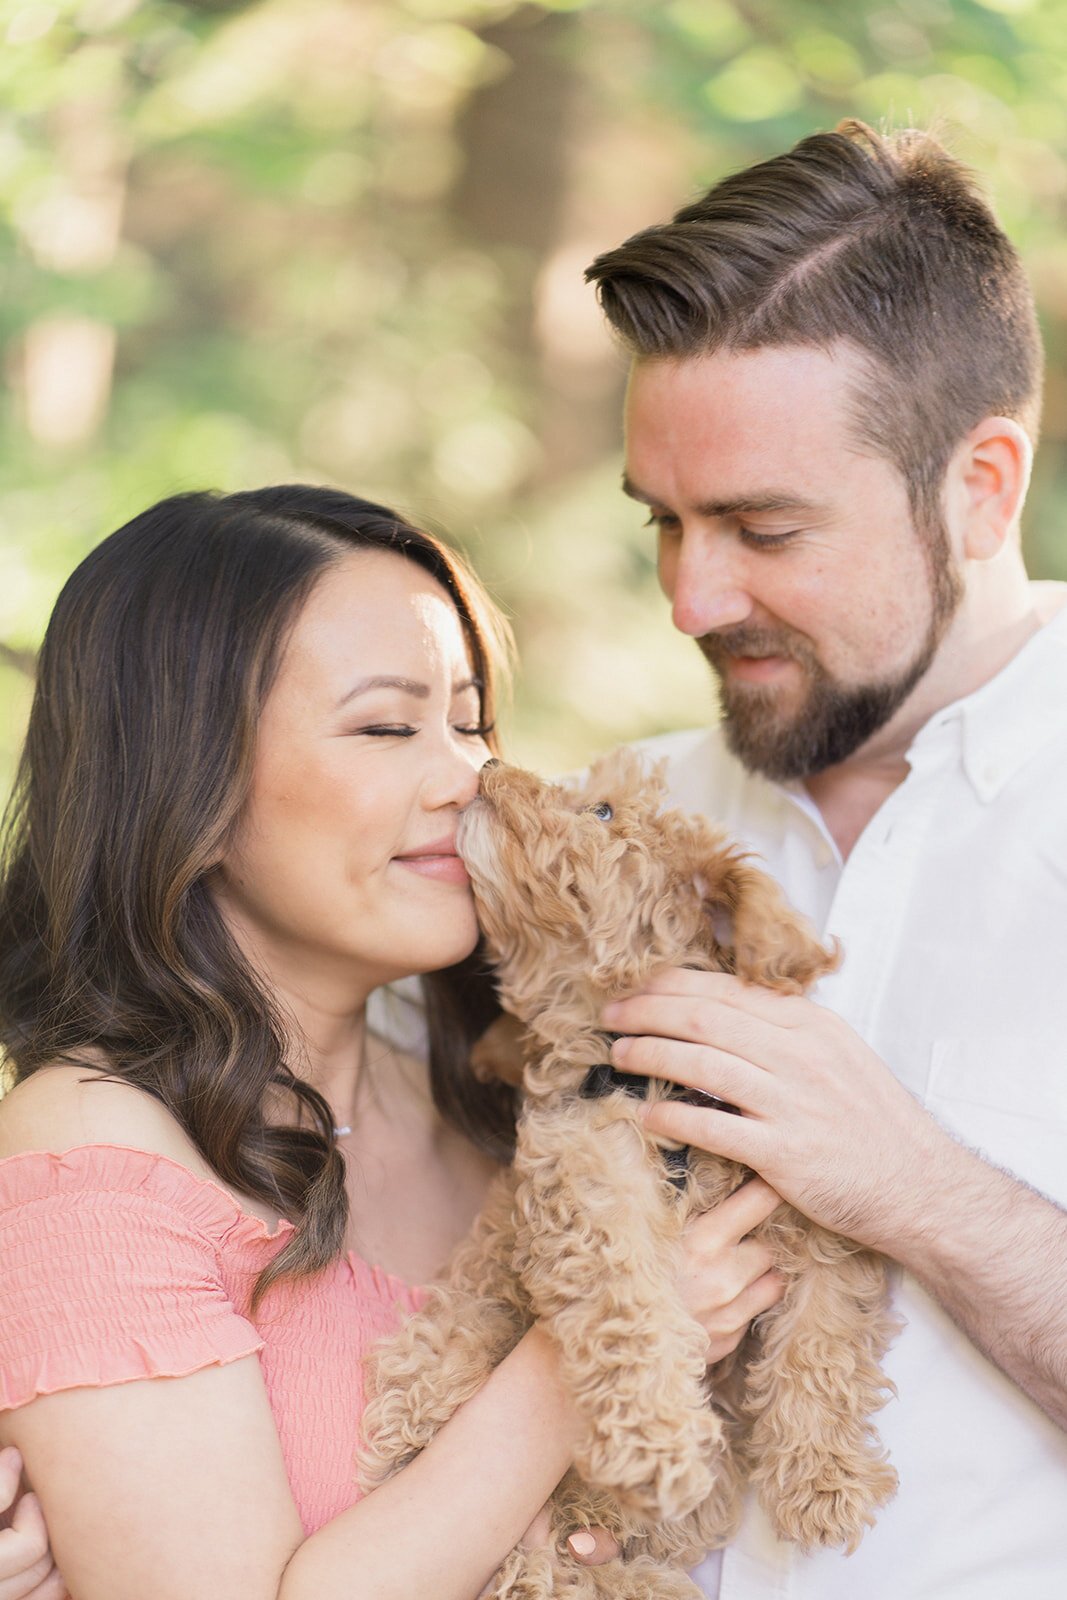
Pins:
x,y
111,1271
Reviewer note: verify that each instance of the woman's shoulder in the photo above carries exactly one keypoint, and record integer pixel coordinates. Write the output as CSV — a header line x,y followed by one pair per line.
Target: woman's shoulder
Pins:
x,y
64,1105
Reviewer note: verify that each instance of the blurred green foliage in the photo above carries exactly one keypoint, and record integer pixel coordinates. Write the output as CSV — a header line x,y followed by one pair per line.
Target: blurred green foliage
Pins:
x,y
342,240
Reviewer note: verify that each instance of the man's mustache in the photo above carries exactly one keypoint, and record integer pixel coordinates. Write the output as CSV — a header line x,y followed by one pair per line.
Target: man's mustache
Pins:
x,y
748,640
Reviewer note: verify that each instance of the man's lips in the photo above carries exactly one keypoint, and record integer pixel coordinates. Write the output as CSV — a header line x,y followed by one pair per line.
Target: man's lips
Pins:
x,y
754,669
436,860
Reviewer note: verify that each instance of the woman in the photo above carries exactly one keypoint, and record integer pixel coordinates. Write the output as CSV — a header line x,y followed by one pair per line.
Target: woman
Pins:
x,y
257,720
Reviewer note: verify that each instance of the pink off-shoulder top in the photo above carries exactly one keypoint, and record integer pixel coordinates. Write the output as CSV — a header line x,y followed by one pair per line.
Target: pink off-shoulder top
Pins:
x,y
118,1264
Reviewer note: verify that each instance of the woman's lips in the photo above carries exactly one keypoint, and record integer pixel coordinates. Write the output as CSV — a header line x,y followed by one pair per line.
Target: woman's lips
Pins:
x,y
443,865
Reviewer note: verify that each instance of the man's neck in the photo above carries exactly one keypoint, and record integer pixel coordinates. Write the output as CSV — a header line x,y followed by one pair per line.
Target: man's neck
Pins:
x,y
848,797
975,650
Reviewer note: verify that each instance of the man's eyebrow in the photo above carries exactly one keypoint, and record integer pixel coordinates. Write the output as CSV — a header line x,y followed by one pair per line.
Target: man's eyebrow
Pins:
x,y
749,504
420,691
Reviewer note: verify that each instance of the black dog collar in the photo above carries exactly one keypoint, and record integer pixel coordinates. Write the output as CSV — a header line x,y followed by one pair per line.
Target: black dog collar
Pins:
x,y
604,1079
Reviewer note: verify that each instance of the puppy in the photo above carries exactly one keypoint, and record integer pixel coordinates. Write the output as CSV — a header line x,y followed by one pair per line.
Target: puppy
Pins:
x,y
585,891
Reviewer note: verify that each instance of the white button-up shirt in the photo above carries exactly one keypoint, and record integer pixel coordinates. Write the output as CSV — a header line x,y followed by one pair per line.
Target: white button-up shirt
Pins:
x,y
952,914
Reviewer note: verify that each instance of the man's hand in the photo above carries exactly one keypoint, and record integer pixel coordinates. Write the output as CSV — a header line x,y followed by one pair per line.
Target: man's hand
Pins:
x,y
27,1571
823,1119
826,1123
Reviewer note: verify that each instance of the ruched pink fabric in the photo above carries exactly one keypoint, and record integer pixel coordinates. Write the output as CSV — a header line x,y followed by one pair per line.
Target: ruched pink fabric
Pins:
x,y
118,1265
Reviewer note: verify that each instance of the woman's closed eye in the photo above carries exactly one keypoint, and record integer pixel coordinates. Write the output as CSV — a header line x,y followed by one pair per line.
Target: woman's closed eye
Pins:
x,y
404,730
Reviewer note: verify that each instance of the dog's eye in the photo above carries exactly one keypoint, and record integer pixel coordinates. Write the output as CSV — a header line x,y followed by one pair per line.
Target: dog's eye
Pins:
x,y
601,810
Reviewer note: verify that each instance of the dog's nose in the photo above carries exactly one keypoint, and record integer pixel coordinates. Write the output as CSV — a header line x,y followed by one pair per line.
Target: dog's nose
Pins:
x,y
493,761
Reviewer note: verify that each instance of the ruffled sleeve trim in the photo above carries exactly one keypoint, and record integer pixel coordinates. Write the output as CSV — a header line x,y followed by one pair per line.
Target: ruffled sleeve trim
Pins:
x,y
111,1168
171,1355
114,1270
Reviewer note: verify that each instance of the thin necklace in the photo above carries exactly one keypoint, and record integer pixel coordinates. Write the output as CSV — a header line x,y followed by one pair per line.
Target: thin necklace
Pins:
x,y
342,1132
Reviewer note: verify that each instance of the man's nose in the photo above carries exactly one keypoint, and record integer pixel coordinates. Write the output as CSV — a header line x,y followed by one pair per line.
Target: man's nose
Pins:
x,y
707,586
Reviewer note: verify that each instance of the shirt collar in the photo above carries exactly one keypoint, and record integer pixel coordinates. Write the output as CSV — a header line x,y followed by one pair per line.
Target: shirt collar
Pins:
x,y
1006,722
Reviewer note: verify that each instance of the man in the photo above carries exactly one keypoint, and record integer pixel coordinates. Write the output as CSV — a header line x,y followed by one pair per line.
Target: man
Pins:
x,y
834,394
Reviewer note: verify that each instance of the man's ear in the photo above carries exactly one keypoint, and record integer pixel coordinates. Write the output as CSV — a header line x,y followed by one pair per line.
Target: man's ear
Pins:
x,y
989,476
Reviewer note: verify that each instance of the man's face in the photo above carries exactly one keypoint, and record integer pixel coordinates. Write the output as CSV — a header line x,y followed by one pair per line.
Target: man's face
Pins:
x,y
787,553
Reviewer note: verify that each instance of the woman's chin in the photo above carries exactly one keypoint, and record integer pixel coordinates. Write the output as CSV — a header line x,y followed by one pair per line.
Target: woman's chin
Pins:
x,y
436,956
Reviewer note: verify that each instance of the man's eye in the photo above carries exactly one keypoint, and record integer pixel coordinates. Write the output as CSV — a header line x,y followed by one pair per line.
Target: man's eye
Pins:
x,y
663,522
765,541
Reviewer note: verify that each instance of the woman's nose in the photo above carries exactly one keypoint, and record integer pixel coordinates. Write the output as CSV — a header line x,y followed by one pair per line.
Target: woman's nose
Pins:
x,y
453,780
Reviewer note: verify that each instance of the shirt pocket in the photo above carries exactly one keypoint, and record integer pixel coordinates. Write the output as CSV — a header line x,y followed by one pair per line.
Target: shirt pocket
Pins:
x,y
1006,1096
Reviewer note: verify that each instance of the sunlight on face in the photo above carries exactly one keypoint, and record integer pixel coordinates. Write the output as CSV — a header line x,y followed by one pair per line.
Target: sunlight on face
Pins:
x,y
368,747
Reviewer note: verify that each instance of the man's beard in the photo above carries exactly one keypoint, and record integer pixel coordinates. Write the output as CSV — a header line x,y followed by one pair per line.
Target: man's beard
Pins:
x,y
835,718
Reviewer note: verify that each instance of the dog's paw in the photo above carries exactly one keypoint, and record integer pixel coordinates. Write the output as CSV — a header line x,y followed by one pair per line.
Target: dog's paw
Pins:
x,y
834,1511
641,1579
657,1484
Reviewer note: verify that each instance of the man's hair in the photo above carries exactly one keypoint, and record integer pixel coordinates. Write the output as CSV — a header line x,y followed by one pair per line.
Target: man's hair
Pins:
x,y
880,240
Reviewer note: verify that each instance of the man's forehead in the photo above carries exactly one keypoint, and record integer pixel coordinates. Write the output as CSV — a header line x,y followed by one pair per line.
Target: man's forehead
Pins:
x,y
772,376
742,430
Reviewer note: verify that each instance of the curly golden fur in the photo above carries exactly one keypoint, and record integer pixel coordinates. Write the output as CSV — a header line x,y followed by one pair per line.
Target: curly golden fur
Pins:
x,y
583,1232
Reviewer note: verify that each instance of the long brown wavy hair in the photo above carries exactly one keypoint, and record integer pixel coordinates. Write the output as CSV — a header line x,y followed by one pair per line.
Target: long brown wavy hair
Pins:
x,y
160,652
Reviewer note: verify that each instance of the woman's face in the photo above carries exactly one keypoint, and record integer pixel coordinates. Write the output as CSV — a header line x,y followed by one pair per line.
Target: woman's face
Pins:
x,y
368,747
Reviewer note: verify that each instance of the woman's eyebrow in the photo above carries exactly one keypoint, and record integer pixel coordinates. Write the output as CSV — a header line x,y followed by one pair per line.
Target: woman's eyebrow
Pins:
x,y
421,691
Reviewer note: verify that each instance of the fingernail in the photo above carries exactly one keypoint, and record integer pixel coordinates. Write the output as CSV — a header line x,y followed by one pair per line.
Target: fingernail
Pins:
x,y
610,1011
619,1047
582,1543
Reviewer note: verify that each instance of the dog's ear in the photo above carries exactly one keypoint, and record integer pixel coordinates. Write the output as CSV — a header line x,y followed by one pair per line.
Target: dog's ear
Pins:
x,y
500,1055
749,919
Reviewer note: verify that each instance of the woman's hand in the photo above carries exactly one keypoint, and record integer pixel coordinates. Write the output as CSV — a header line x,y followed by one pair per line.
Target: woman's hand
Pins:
x,y
27,1571
728,1277
590,1547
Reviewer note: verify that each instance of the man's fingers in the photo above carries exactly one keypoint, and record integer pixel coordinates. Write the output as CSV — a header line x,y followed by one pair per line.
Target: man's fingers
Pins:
x,y
725,989
646,1018
716,1071
720,1132
592,1546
